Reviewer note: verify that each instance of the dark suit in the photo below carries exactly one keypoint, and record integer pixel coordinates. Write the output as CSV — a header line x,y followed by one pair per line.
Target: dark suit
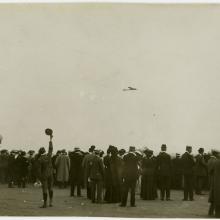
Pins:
x,y
177,173
11,170
164,167
76,172
130,176
200,173
96,176
22,169
187,167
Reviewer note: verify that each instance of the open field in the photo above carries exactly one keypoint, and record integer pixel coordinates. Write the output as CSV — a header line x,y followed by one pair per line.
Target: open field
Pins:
x,y
26,202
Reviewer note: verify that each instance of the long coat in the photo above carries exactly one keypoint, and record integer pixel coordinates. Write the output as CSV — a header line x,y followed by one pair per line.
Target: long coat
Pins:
x,y
63,167
164,164
188,164
201,166
216,183
76,171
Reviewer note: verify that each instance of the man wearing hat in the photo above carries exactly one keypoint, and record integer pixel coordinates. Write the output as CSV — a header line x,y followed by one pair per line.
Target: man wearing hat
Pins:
x,y
62,164
87,158
188,164
130,176
76,172
211,166
45,172
3,166
96,177
177,172
200,171
164,167
11,169
216,184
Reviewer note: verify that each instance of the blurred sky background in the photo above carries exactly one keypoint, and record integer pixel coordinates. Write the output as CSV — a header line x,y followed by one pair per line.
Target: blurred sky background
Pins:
x,y
64,67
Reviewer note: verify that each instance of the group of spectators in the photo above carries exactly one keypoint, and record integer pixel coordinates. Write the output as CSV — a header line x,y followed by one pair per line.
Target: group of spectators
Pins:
x,y
109,177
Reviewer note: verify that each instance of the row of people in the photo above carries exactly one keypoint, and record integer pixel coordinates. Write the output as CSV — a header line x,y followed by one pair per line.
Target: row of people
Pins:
x,y
118,172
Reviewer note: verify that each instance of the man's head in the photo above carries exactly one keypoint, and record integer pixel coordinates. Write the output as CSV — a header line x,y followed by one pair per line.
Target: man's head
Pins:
x,y
164,147
41,150
92,148
132,149
201,150
177,155
189,149
121,152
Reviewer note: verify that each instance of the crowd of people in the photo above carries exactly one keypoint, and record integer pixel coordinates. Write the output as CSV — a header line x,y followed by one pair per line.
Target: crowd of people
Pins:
x,y
108,177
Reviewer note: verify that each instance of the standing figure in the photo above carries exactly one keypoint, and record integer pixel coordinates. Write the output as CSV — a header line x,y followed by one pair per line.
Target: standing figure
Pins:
x,y
188,164
22,169
30,158
216,188
3,166
164,167
96,177
76,175
115,172
11,169
108,176
85,163
211,166
45,170
130,176
177,173
200,171
148,180
62,164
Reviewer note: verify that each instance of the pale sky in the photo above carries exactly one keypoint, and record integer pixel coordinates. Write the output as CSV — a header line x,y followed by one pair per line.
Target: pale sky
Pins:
x,y
65,66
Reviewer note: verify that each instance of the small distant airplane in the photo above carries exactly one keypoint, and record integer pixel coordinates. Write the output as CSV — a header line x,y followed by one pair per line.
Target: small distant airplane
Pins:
x,y
129,88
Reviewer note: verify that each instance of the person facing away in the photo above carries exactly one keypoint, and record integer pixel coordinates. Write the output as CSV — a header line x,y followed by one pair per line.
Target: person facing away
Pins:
x,y
85,163
148,180
62,164
164,169
129,177
76,172
200,171
96,177
45,173
22,169
188,164
216,188
11,169
177,172
211,166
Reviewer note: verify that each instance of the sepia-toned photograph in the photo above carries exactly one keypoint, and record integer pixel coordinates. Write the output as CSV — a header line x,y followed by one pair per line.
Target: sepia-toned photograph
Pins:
x,y
110,110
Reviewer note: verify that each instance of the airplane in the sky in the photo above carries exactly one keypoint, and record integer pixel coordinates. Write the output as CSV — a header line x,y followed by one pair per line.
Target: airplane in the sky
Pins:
x,y
129,88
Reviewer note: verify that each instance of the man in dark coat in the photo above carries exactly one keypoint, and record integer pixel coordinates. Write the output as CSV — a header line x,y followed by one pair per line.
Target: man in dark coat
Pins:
x,y
130,176
45,172
177,172
11,169
85,163
22,169
188,164
200,171
96,177
216,188
3,166
211,167
108,176
76,175
164,168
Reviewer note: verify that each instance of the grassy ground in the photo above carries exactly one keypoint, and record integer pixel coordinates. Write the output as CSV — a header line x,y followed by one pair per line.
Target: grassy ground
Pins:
x,y
26,202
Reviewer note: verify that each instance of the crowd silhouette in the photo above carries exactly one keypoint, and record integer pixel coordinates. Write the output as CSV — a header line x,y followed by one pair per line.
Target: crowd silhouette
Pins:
x,y
109,177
